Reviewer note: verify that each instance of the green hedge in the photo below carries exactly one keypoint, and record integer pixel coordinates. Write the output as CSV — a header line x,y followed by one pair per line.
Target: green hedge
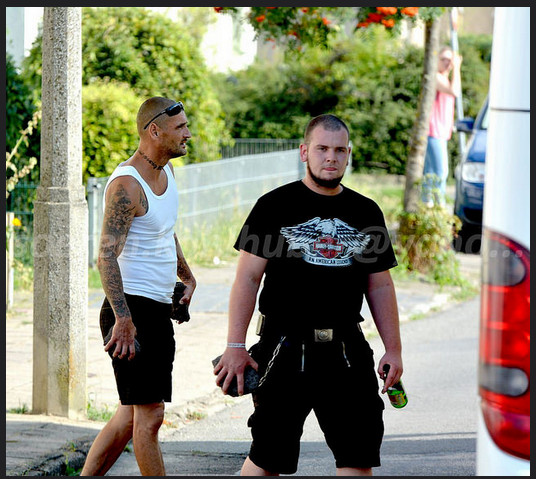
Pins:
x,y
19,111
154,56
109,135
370,79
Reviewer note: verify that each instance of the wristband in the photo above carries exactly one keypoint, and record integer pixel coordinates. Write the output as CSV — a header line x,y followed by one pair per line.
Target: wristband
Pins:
x,y
236,345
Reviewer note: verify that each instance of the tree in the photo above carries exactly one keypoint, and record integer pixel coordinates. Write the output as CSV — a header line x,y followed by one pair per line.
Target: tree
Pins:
x,y
22,119
370,80
296,27
152,56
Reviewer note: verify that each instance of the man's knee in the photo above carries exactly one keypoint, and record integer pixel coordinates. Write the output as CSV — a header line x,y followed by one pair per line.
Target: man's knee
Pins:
x,y
124,416
149,417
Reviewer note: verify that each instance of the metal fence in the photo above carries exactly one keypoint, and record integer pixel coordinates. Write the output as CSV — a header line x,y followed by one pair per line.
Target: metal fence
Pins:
x,y
210,191
256,146
207,191
20,203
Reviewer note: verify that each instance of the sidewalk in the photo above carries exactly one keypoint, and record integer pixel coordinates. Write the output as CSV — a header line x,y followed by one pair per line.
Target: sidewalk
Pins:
x,y
43,445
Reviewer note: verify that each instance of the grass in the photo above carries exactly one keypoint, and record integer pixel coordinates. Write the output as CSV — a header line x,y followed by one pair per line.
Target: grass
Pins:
x,y
71,471
467,291
99,414
94,281
386,190
212,245
22,276
23,409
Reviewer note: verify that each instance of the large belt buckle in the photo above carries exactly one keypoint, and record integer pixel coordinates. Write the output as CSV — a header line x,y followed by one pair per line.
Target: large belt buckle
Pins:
x,y
323,335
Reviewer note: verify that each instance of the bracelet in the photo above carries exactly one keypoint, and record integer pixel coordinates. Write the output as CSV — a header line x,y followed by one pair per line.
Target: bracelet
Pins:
x,y
236,345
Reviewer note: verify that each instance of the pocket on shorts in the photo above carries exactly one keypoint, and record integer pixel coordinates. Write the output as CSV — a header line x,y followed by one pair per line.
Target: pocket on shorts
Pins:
x,y
106,317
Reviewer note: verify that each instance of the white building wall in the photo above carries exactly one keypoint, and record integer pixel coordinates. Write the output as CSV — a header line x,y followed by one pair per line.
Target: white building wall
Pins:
x,y
228,45
15,31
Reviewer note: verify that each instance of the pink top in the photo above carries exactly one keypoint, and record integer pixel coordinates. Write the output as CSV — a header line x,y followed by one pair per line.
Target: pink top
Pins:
x,y
442,116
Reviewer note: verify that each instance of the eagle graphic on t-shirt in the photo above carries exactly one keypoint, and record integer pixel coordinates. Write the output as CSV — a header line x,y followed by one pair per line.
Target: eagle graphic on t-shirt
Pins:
x,y
328,242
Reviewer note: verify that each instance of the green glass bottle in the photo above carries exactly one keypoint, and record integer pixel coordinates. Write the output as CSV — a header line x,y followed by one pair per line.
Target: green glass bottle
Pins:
x,y
396,393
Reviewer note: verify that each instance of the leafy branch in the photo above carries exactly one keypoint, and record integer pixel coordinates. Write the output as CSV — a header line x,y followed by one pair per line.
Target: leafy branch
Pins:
x,y
18,174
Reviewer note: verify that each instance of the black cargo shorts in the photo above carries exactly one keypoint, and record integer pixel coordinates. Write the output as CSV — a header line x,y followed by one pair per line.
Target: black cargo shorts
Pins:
x,y
337,381
145,379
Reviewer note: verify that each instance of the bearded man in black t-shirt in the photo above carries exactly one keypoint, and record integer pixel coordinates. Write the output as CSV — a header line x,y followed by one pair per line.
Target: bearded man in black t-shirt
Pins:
x,y
321,249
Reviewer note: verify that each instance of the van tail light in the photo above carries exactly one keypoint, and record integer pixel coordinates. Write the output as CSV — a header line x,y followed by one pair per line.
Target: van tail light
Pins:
x,y
504,356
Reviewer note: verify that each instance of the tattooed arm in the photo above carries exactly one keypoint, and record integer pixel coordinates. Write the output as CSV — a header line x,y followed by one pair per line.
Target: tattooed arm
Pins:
x,y
184,273
123,202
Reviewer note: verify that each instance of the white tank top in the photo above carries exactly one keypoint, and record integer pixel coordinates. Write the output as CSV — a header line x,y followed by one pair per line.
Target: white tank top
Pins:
x,y
148,262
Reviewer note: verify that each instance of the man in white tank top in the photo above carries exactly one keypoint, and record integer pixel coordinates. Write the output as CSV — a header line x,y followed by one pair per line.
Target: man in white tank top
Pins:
x,y
140,259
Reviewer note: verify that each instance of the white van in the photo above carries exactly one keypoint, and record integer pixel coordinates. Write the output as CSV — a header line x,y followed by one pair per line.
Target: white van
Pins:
x,y
503,436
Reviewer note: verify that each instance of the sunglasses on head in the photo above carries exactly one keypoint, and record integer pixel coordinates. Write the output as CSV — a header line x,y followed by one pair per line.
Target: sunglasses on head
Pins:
x,y
172,110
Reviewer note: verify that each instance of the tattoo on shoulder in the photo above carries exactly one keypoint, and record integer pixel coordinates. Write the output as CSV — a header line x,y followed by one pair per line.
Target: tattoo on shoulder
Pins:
x,y
118,217
143,201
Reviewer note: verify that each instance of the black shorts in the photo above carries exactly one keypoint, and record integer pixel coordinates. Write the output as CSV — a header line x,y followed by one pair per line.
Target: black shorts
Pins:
x,y
145,379
338,383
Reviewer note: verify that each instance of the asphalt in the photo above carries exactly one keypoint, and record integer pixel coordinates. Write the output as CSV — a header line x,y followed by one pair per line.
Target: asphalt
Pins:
x,y
48,445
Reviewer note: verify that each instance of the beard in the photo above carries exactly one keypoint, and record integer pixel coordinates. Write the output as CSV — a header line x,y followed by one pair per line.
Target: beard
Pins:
x,y
332,183
178,151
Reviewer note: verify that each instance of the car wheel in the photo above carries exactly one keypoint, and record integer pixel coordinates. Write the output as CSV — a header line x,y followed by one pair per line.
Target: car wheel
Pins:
x,y
468,239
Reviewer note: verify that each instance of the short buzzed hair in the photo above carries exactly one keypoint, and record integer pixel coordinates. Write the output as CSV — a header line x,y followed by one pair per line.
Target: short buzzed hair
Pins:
x,y
150,108
328,122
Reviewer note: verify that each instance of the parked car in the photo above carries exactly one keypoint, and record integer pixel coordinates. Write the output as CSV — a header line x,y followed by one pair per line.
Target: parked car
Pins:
x,y
470,174
503,427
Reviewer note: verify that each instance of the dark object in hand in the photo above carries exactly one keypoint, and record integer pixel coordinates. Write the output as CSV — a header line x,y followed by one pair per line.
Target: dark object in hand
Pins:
x,y
137,348
251,380
179,312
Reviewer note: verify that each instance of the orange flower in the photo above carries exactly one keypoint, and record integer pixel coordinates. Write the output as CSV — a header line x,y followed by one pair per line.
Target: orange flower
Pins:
x,y
388,22
325,21
218,9
387,10
374,18
410,11
305,9
363,24
260,18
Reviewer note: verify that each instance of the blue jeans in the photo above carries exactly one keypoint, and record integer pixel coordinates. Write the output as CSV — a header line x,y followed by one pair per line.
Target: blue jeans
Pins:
x,y
436,169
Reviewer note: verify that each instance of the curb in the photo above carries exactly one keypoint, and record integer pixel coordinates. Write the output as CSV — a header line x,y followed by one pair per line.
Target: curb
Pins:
x,y
71,456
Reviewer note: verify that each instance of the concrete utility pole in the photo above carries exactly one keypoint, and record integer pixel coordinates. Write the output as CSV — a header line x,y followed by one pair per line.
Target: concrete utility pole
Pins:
x,y
60,226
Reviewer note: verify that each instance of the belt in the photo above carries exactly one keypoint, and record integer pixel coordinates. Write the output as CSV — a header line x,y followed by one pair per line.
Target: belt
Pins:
x,y
317,335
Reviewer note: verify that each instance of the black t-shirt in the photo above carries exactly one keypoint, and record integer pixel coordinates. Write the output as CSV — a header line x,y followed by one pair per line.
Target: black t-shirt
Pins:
x,y
320,251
